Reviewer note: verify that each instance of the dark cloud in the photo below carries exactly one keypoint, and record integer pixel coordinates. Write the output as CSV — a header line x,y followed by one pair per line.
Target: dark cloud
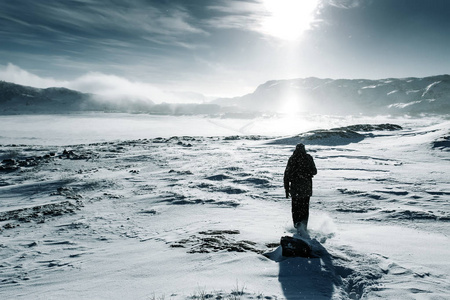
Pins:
x,y
119,37
71,22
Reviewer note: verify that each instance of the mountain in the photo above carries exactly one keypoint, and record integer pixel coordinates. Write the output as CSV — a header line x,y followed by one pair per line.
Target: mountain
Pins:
x,y
349,96
19,99
15,98
313,95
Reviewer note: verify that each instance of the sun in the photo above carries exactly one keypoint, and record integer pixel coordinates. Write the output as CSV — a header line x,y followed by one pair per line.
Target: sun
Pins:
x,y
290,106
288,19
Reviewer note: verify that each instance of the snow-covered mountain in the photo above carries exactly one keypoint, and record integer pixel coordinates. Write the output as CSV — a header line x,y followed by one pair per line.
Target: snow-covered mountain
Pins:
x,y
349,96
311,95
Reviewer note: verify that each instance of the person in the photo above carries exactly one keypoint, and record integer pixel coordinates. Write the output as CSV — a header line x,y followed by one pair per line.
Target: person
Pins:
x,y
298,176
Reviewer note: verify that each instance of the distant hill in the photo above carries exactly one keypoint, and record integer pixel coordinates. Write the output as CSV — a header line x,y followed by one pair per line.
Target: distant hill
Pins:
x,y
312,95
349,96
19,99
16,98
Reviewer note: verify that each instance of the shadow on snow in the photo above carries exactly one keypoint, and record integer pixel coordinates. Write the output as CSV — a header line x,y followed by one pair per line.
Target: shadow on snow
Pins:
x,y
307,278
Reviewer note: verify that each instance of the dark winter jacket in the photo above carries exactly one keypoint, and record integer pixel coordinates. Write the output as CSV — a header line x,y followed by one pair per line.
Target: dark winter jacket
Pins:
x,y
298,175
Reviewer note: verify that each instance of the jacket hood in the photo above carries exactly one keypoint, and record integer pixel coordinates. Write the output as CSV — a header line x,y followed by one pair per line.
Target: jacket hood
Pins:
x,y
299,150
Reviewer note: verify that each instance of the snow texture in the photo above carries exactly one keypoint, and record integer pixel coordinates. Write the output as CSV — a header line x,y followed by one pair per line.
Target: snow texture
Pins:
x,y
192,217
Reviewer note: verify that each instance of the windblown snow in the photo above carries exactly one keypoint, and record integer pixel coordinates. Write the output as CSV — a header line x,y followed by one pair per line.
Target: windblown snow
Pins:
x,y
190,217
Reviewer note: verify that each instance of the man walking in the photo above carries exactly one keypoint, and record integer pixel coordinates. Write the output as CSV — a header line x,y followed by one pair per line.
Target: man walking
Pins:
x,y
298,176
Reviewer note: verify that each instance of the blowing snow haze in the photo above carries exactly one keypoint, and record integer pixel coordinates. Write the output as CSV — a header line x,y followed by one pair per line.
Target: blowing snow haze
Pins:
x,y
177,51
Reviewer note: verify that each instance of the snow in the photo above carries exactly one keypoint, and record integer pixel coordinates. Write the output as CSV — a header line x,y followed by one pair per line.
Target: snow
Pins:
x,y
132,213
428,88
350,96
418,269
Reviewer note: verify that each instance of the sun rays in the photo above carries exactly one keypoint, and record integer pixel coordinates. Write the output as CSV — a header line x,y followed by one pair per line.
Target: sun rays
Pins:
x,y
288,19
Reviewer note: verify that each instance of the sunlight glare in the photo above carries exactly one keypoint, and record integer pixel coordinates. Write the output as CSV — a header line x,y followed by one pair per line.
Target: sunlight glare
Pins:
x,y
288,19
290,106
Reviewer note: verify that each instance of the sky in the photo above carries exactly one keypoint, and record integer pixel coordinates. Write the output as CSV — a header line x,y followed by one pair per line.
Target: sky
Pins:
x,y
182,51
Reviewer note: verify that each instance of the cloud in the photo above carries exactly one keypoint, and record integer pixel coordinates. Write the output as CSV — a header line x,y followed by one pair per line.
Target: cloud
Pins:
x,y
109,87
282,19
236,14
345,3
81,22
13,73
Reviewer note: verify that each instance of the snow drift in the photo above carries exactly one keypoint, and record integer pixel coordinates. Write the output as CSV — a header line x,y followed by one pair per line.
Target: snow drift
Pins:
x,y
336,136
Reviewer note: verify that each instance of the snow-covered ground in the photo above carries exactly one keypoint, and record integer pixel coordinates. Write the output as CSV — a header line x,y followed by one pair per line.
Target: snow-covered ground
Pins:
x,y
134,216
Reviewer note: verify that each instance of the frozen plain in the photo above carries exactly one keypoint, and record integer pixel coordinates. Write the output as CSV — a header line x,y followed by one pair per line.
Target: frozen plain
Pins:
x,y
128,215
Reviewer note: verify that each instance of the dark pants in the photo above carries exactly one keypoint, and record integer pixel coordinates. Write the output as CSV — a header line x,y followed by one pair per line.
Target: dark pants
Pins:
x,y
300,210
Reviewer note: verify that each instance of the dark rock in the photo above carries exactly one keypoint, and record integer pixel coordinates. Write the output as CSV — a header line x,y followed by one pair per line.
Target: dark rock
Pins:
x,y
39,213
371,127
218,177
215,241
75,156
9,168
218,232
232,138
67,192
9,162
443,143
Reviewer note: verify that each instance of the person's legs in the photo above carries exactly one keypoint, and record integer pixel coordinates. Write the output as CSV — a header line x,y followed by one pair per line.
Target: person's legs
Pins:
x,y
300,211
304,211
295,210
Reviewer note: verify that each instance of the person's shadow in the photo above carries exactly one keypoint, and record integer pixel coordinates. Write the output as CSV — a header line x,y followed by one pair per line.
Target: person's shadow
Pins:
x,y
307,278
